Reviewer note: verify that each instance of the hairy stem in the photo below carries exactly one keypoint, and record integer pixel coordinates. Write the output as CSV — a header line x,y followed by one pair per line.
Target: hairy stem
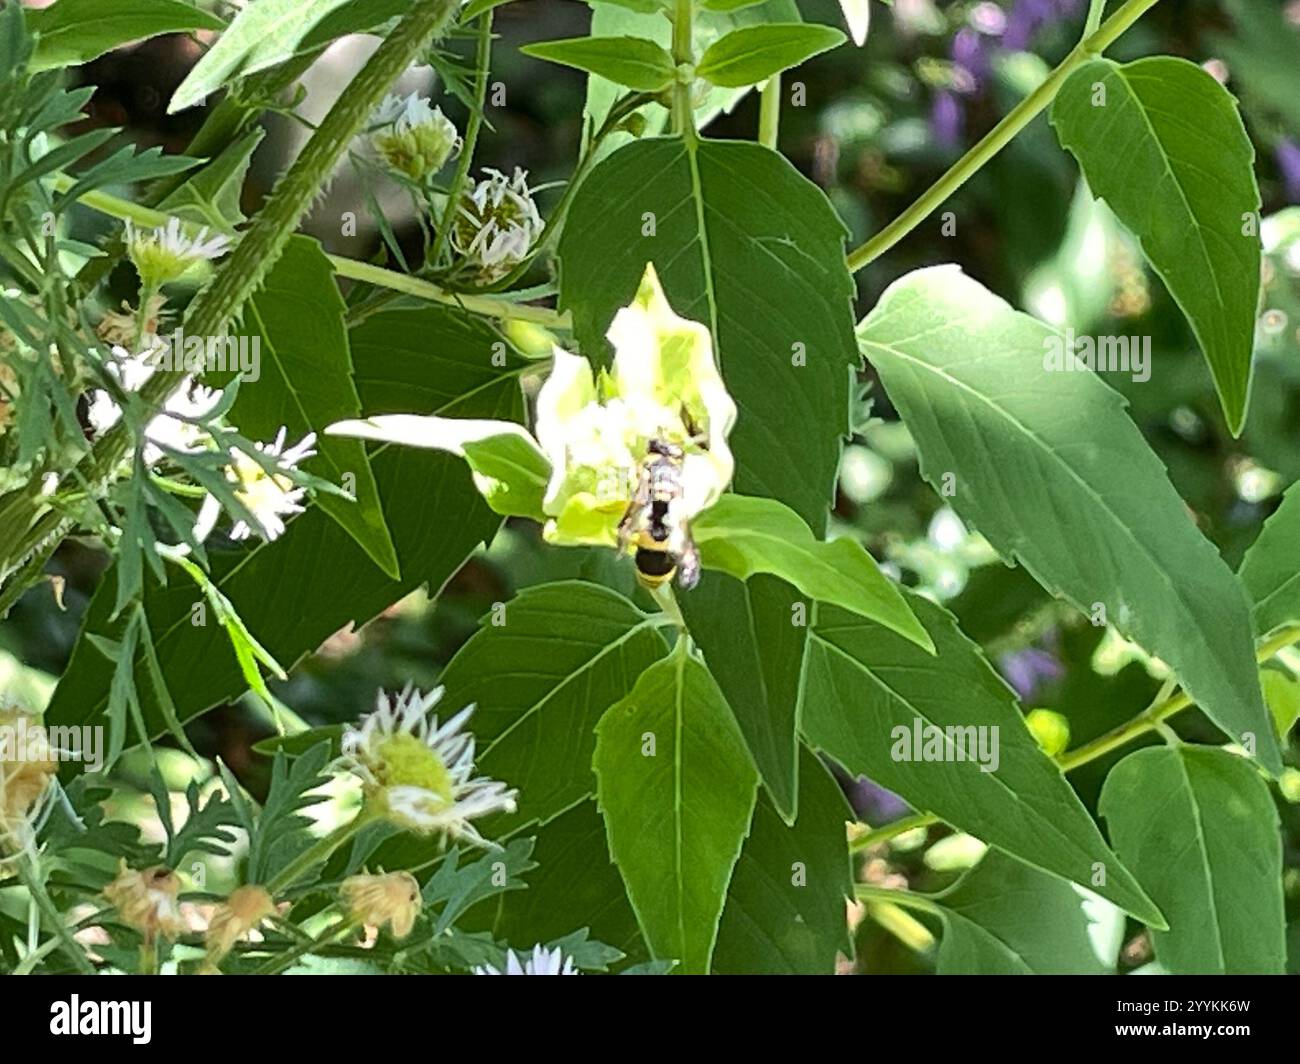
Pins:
x,y
1000,136
482,60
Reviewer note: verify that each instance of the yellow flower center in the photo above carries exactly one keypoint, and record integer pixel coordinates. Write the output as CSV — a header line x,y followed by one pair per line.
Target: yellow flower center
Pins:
x,y
405,761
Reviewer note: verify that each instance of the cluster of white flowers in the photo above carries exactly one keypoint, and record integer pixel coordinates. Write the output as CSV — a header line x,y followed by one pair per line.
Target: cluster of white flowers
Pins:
x,y
269,497
497,224
190,400
413,137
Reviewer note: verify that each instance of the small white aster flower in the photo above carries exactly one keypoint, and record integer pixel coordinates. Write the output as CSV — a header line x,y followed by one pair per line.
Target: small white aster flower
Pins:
x,y
166,253
270,497
542,962
413,137
497,224
190,400
420,774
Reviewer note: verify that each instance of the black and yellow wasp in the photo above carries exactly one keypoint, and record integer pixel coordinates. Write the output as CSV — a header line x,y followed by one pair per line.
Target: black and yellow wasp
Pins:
x,y
661,536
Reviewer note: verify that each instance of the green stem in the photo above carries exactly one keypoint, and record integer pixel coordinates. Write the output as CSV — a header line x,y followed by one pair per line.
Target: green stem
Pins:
x,y
31,877
684,52
1150,719
353,269
482,61
281,961
769,114
1096,8
1000,136
317,853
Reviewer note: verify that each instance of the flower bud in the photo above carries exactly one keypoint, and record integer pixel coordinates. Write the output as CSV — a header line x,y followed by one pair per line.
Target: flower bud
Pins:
x,y
414,138
239,914
497,224
393,899
147,901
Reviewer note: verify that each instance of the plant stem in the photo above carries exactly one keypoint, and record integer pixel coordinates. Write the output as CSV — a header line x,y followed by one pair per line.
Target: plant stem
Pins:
x,y
1000,136
281,961
318,852
482,60
769,114
31,877
1150,719
353,269
684,52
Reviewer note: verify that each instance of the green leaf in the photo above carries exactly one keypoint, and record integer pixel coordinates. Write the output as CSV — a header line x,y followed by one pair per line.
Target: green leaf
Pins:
x,y
637,64
676,811
282,831
1004,916
513,470
785,905
296,321
1048,467
263,34
1168,151
754,53
541,673
1282,694
1271,569
76,31
868,692
575,884
743,535
456,888
754,647
294,593
747,246
212,196
623,19
1199,828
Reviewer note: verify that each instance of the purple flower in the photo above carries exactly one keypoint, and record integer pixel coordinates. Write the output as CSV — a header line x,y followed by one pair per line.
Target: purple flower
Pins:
x,y
1288,161
1029,669
947,121
969,54
1030,16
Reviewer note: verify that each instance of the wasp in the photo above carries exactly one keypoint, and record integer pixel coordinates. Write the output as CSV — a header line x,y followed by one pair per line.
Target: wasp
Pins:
x,y
663,543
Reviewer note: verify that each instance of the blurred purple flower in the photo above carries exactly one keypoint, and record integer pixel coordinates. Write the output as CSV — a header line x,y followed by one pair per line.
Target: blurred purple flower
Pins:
x,y
968,53
1030,16
1029,669
1288,161
947,120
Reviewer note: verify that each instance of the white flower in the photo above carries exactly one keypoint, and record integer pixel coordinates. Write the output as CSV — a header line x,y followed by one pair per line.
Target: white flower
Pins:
x,y
857,13
542,962
167,252
268,496
418,774
190,400
413,137
497,224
